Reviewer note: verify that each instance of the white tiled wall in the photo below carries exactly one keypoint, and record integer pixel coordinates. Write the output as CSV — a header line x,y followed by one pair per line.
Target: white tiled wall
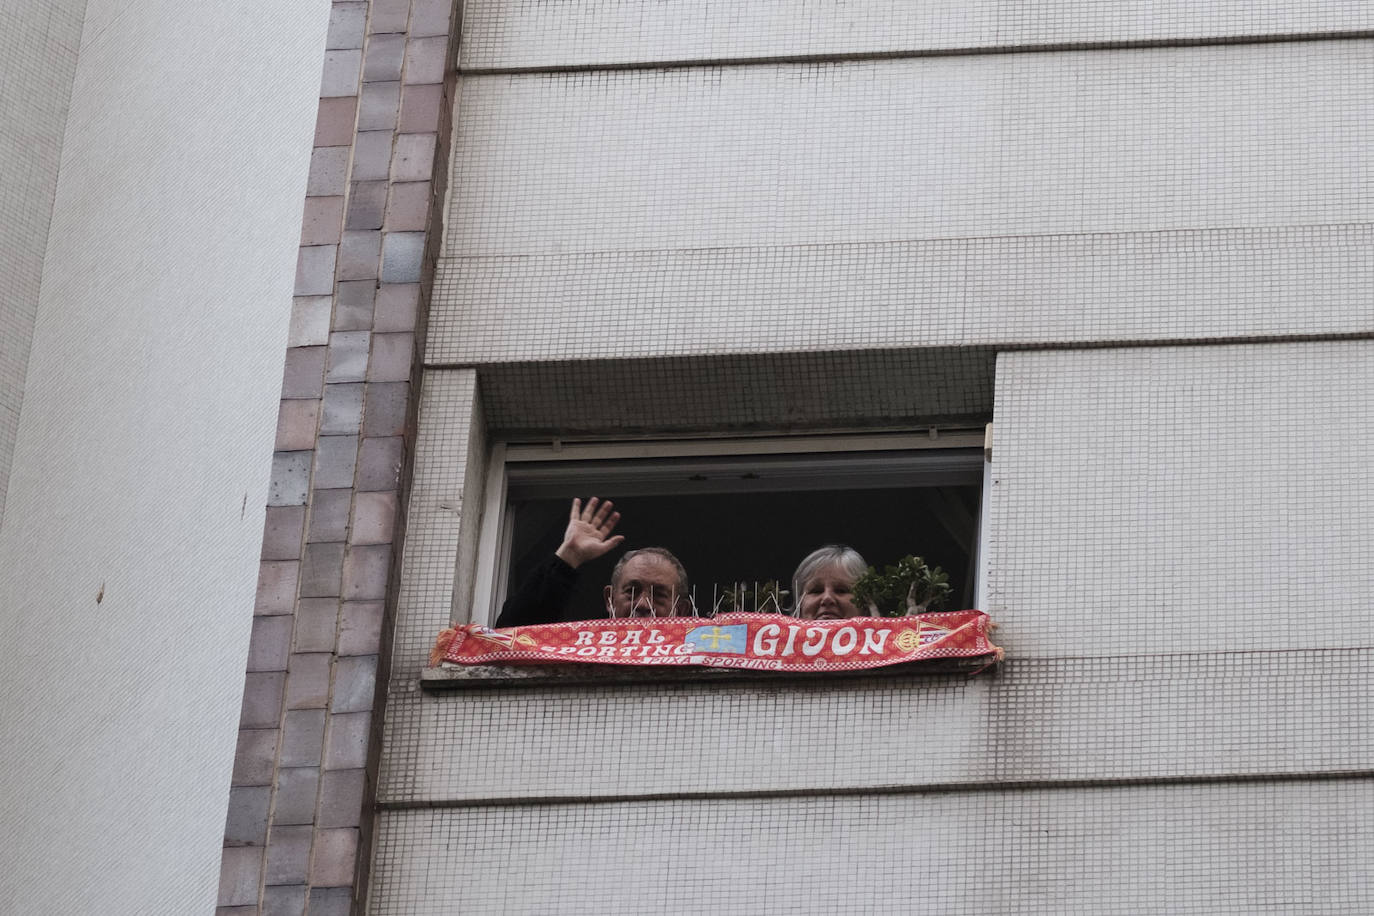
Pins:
x,y
880,151
1178,553
1147,194
1194,499
1064,719
1011,290
1193,849
539,33
441,537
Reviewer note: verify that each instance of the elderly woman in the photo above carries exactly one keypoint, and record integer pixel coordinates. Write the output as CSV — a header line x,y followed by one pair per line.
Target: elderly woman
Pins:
x,y
824,583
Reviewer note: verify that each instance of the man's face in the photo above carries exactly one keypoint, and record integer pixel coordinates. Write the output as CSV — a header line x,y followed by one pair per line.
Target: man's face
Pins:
x,y
647,588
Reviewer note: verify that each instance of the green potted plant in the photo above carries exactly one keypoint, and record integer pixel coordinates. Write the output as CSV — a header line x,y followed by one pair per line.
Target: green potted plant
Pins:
x,y
909,587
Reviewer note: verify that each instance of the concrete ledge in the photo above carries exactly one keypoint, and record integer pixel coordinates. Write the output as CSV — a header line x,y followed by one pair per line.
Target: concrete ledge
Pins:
x,y
456,677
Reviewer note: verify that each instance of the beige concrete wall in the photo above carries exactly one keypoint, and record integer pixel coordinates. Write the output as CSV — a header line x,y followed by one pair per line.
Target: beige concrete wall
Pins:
x,y
37,61
135,507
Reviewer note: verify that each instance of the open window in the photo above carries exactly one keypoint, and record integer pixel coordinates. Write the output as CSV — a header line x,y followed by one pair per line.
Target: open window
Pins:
x,y
739,510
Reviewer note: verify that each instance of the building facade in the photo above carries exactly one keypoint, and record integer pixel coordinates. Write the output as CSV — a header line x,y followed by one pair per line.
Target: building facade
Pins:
x,y
1135,238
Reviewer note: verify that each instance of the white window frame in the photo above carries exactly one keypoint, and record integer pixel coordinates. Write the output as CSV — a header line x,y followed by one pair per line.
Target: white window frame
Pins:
x,y
496,532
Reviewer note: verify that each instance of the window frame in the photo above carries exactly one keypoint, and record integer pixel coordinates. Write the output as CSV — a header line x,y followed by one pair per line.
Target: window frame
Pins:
x,y
491,564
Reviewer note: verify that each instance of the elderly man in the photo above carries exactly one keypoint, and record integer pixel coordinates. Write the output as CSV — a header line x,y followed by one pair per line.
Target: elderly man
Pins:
x,y
648,582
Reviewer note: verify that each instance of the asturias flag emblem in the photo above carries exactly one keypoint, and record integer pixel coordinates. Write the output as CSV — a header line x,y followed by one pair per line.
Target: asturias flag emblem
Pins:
x,y
733,639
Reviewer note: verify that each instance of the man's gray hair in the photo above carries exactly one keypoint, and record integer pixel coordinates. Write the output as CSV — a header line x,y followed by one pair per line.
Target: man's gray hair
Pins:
x,y
845,557
662,552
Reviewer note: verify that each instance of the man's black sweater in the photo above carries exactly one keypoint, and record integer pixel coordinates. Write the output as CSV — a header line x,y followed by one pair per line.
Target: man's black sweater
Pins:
x,y
542,598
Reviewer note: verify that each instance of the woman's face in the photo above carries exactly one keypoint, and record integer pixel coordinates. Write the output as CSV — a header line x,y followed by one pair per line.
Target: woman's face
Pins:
x,y
828,595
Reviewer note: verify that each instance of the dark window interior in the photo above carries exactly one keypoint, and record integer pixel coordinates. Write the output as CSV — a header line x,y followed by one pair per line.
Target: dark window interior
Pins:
x,y
753,518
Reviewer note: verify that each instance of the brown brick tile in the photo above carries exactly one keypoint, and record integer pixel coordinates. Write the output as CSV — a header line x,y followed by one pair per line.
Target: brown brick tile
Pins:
x,y
341,798
247,821
396,307
315,270
302,742
372,155
384,409
334,858
385,54
408,207
288,855
282,531
290,479
358,254
365,572
269,647
360,627
317,623
322,221
283,900
331,901
309,321
379,463
328,170
297,419
367,205
304,374
307,680
389,16
348,737
262,695
430,17
374,518
425,59
347,23
378,105
239,876
348,356
321,569
335,459
296,791
329,511
403,257
391,359
254,756
341,68
355,683
342,412
413,157
354,312
420,108
276,587
334,123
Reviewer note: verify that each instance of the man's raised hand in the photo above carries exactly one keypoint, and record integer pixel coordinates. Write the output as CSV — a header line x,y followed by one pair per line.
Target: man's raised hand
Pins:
x,y
588,535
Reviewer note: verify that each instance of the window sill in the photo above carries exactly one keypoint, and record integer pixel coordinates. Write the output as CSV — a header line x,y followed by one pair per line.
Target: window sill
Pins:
x,y
449,676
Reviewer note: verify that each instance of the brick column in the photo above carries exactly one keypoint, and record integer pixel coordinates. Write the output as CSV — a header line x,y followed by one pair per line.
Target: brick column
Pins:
x,y
298,829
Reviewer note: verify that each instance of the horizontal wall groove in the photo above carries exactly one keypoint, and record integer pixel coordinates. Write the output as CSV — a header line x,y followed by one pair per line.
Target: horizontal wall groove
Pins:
x,y
818,792
1218,653
913,53
1162,233
1088,235
994,346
